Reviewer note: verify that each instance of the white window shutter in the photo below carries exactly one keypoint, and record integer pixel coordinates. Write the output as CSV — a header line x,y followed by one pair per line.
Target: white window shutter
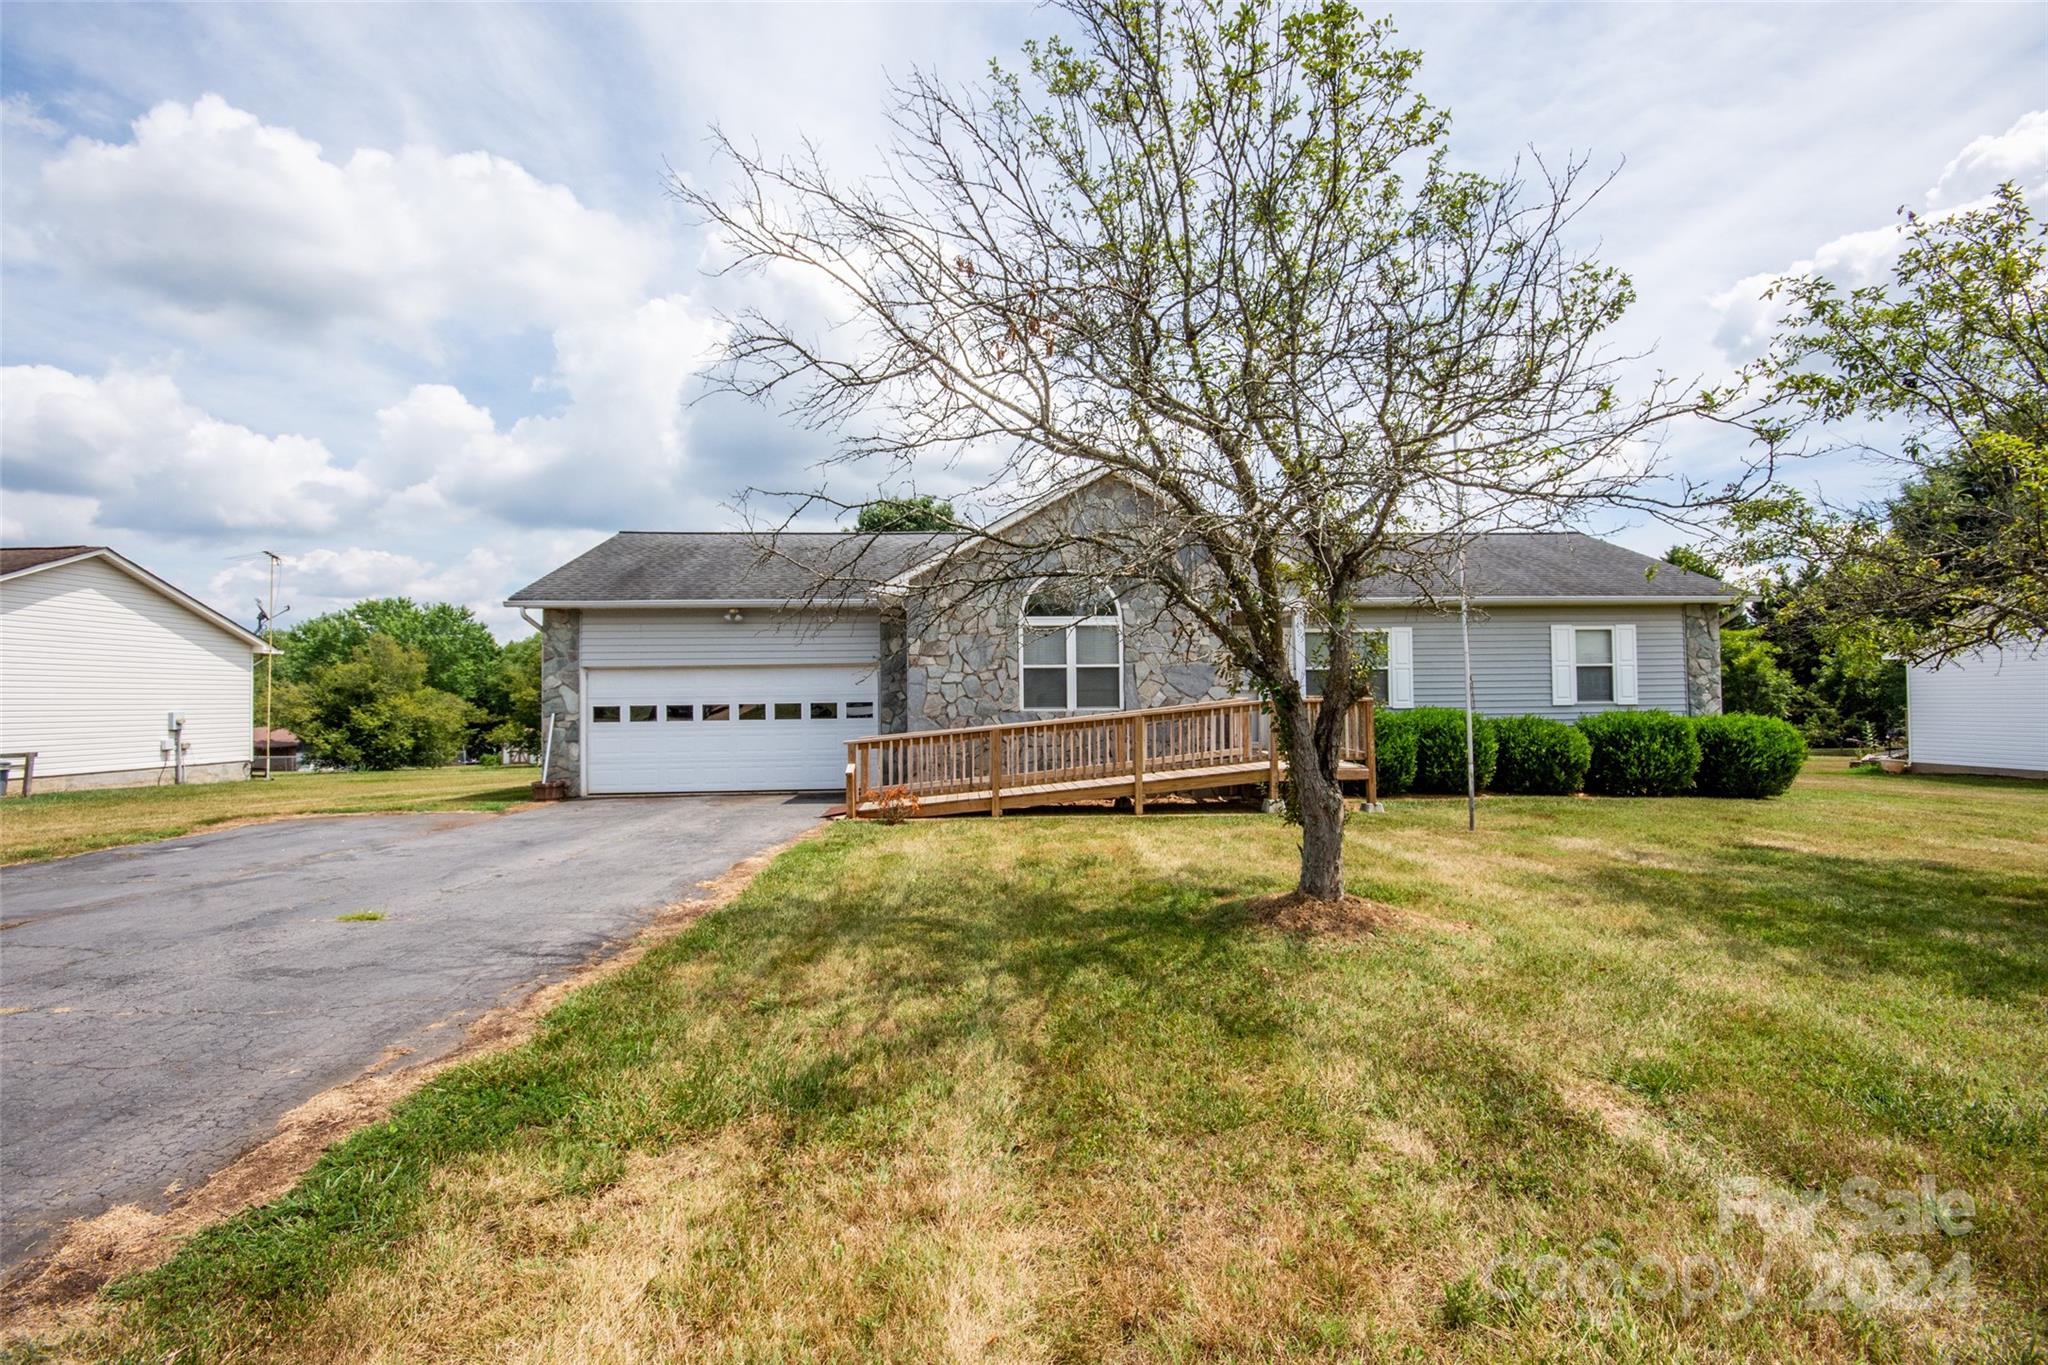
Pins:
x,y
1564,662
1625,665
1400,666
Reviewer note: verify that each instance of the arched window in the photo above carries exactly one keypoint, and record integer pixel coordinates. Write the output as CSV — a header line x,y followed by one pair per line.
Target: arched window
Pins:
x,y
1072,652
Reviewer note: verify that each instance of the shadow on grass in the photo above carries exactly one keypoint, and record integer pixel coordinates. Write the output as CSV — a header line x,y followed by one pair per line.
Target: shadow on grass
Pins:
x,y
1974,932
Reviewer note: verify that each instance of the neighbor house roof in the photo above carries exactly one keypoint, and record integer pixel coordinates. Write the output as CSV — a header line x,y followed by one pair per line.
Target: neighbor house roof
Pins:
x,y
729,568
18,560
1508,566
15,558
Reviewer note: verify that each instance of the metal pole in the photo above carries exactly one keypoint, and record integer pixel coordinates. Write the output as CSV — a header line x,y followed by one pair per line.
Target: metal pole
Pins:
x,y
269,664
1471,763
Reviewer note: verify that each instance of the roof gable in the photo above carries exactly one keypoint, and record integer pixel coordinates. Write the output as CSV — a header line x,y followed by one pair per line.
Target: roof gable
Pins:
x,y
20,561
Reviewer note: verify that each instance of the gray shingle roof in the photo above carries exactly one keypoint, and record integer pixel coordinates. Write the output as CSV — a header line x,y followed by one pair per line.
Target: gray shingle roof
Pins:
x,y
1562,564
15,558
719,566
732,566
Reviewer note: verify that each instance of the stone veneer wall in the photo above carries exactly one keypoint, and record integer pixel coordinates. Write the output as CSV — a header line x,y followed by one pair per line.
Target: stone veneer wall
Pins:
x,y
561,693
892,710
1702,659
961,665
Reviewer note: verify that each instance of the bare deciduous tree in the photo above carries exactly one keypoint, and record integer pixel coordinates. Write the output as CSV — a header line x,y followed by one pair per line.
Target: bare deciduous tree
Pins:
x,y
1217,249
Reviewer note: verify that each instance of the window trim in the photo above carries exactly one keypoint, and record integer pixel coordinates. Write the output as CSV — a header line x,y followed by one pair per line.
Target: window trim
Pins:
x,y
1621,664
1027,622
1400,646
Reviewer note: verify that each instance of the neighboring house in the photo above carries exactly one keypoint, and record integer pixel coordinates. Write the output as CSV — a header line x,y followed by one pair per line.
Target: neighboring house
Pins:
x,y
113,677
1986,712
707,661
279,746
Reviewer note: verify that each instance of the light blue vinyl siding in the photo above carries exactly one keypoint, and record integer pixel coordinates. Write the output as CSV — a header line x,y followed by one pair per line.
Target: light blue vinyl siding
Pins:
x,y
1511,656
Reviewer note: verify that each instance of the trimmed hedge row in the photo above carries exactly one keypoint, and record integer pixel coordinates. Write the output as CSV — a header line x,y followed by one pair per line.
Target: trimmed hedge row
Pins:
x,y
1440,749
1615,753
1540,756
1751,756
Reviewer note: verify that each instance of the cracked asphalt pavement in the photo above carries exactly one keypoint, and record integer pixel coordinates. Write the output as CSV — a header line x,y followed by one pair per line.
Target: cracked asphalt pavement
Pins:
x,y
163,1005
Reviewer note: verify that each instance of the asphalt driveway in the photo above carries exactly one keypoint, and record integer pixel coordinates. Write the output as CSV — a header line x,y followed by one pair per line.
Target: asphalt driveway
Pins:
x,y
163,1005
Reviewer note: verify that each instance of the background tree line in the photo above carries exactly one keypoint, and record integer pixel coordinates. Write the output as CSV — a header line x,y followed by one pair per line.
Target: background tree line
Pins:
x,y
1939,374
1781,657
393,683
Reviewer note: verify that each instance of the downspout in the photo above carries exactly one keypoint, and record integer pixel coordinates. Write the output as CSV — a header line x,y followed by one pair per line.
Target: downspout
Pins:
x,y
547,722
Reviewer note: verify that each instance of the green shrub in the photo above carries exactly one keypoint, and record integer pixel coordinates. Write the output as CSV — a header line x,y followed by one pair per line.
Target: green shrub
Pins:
x,y
1641,753
1393,739
1440,749
1540,755
1753,756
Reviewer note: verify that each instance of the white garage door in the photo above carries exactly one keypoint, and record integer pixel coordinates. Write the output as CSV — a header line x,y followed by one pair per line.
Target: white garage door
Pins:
x,y
754,728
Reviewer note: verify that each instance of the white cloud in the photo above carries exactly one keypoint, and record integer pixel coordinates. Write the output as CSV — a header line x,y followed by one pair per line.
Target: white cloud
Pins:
x,y
225,220
2019,153
148,460
315,581
1748,320
615,452
19,111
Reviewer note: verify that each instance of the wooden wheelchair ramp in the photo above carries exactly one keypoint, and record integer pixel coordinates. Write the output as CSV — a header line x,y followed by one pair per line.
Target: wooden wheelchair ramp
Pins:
x,y
1104,756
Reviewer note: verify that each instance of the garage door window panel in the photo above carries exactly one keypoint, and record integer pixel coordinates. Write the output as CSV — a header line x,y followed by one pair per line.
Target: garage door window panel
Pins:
x,y
717,710
604,715
676,712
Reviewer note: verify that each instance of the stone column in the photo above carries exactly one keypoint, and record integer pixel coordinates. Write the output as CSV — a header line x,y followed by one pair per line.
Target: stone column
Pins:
x,y
561,694
1702,659
892,683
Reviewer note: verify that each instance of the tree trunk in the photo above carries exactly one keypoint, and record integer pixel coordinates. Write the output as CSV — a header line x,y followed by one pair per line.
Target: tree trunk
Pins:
x,y
1312,768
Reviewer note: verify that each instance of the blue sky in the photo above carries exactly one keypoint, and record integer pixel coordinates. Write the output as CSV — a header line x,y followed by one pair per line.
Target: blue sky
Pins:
x,y
396,292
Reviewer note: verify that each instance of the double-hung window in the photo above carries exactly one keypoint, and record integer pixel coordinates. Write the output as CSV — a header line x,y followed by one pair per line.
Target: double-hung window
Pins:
x,y
1072,654
1388,652
1593,665
1365,644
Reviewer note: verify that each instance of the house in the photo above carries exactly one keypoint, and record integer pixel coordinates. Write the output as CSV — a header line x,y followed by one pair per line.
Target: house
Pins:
x,y
1985,712
113,677
711,661
280,747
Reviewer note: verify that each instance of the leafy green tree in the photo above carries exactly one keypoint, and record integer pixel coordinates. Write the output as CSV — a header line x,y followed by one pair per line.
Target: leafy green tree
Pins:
x,y
1689,558
920,513
462,657
1950,361
460,651
1751,680
375,709
513,700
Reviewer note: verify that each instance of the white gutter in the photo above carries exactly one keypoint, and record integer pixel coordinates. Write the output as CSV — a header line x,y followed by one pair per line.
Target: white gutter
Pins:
x,y
708,602
1557,601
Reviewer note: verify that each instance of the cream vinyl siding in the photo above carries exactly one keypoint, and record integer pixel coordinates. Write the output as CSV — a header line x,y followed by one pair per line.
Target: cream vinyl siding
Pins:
x,y
667,637
1985,710
1512,656
92,662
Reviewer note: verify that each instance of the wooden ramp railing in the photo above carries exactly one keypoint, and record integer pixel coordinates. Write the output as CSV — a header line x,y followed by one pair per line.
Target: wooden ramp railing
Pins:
x,y
1110,754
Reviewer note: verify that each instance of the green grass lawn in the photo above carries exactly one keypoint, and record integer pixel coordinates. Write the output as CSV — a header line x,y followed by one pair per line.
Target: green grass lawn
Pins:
x,y
1039,1088
56,824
